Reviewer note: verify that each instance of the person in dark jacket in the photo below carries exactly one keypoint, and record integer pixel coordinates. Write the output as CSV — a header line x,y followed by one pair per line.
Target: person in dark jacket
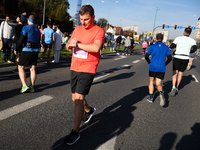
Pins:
x,y
20,20
118,43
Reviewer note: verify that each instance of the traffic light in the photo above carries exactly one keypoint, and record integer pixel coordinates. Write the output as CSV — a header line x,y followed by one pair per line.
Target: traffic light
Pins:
x,y
189,26
163,26
175,27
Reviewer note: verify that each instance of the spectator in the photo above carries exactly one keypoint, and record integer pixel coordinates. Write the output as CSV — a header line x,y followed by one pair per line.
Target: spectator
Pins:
x,y
6,34
132,45
57,46
49,39
64,40
118,43
42,38
18,28
112,43
108,40
127,45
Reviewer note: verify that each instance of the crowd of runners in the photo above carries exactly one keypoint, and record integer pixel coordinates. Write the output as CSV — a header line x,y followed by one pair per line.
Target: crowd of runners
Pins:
x,y
86,42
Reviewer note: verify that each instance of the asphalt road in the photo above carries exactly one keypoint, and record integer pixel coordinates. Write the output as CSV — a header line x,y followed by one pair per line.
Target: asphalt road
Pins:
x,y
124,119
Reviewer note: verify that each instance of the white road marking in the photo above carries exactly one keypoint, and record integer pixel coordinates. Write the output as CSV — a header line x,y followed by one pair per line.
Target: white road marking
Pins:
x,y
24,106
195,79
136,61
109,145
142,58
124,66
120,57
100,76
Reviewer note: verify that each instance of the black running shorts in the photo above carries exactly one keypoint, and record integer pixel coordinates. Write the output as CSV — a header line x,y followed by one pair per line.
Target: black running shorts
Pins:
x,y
81,82
159,75
28,58
180,64
47,46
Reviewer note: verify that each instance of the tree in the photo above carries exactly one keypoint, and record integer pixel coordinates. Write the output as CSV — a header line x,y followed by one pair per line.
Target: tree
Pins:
x,y
102,22
9,7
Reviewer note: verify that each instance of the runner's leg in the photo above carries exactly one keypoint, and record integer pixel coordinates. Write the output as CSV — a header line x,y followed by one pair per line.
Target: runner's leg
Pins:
x,y
22,74
33,75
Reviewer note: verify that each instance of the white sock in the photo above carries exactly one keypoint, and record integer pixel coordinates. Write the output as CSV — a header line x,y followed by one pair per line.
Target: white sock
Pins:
x,y
173,87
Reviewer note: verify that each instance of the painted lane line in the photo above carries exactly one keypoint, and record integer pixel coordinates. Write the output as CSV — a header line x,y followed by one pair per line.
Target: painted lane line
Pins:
x,y
195,79
120,57
109,145
136,61
100,76
142,58
24,106
122,67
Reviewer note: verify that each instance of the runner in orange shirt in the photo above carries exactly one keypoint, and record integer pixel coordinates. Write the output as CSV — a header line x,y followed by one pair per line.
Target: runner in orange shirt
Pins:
x,y
85,42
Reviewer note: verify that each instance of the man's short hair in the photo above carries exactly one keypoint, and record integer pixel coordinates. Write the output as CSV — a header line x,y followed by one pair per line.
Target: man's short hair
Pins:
x,y
159,36
188,30
49,23
86,9
32,17
7,15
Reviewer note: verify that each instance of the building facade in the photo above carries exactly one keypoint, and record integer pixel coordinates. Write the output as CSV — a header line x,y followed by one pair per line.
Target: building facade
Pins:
x,y
197,31
131,28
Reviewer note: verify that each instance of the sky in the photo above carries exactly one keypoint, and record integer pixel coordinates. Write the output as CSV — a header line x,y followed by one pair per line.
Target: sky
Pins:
x,y
143,12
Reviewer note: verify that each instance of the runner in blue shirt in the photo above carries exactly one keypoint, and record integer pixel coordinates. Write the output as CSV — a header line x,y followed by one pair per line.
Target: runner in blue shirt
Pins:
x,y
158,51
30,39
49,39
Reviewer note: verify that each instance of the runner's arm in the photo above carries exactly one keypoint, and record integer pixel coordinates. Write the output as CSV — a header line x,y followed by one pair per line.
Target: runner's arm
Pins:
x,y
169,58
21,40
95,47
172,46
193,49
147,58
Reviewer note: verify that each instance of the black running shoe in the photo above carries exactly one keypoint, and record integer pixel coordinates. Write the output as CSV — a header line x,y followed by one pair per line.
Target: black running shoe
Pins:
x,y
88,116
15,71
72,137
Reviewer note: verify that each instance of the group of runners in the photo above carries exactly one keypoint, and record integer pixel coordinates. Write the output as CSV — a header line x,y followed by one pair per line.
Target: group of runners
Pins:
x,y
184,46
85,42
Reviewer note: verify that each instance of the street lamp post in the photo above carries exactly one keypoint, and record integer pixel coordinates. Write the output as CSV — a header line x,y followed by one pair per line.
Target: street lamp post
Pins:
x,y
109,9
155,21
44,12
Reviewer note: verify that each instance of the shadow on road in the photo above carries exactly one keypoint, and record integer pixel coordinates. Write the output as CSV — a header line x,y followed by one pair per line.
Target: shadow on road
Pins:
x,y
187,142
114,120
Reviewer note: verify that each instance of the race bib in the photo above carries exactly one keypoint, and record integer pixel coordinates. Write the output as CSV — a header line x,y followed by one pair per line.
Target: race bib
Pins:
x,y
79,53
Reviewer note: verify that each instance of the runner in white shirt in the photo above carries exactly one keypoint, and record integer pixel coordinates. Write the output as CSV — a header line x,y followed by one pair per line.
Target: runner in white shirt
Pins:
x,y
184,46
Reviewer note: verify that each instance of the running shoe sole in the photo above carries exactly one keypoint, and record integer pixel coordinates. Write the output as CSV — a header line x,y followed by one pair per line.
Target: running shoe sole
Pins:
x,y
24,90
149,100
74,141
173,92
91,116
162,100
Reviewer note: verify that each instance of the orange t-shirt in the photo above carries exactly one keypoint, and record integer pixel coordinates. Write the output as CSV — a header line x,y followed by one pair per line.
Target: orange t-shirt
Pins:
x,y
83,61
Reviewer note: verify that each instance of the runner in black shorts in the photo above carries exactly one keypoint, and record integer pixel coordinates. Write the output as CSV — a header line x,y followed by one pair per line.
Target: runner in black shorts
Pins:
x,y
28,58
184,46
81,82
158,51
159,75
180,64
30,35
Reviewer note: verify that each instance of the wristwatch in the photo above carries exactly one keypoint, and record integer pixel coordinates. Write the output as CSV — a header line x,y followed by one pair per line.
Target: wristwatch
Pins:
x,y
76,44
